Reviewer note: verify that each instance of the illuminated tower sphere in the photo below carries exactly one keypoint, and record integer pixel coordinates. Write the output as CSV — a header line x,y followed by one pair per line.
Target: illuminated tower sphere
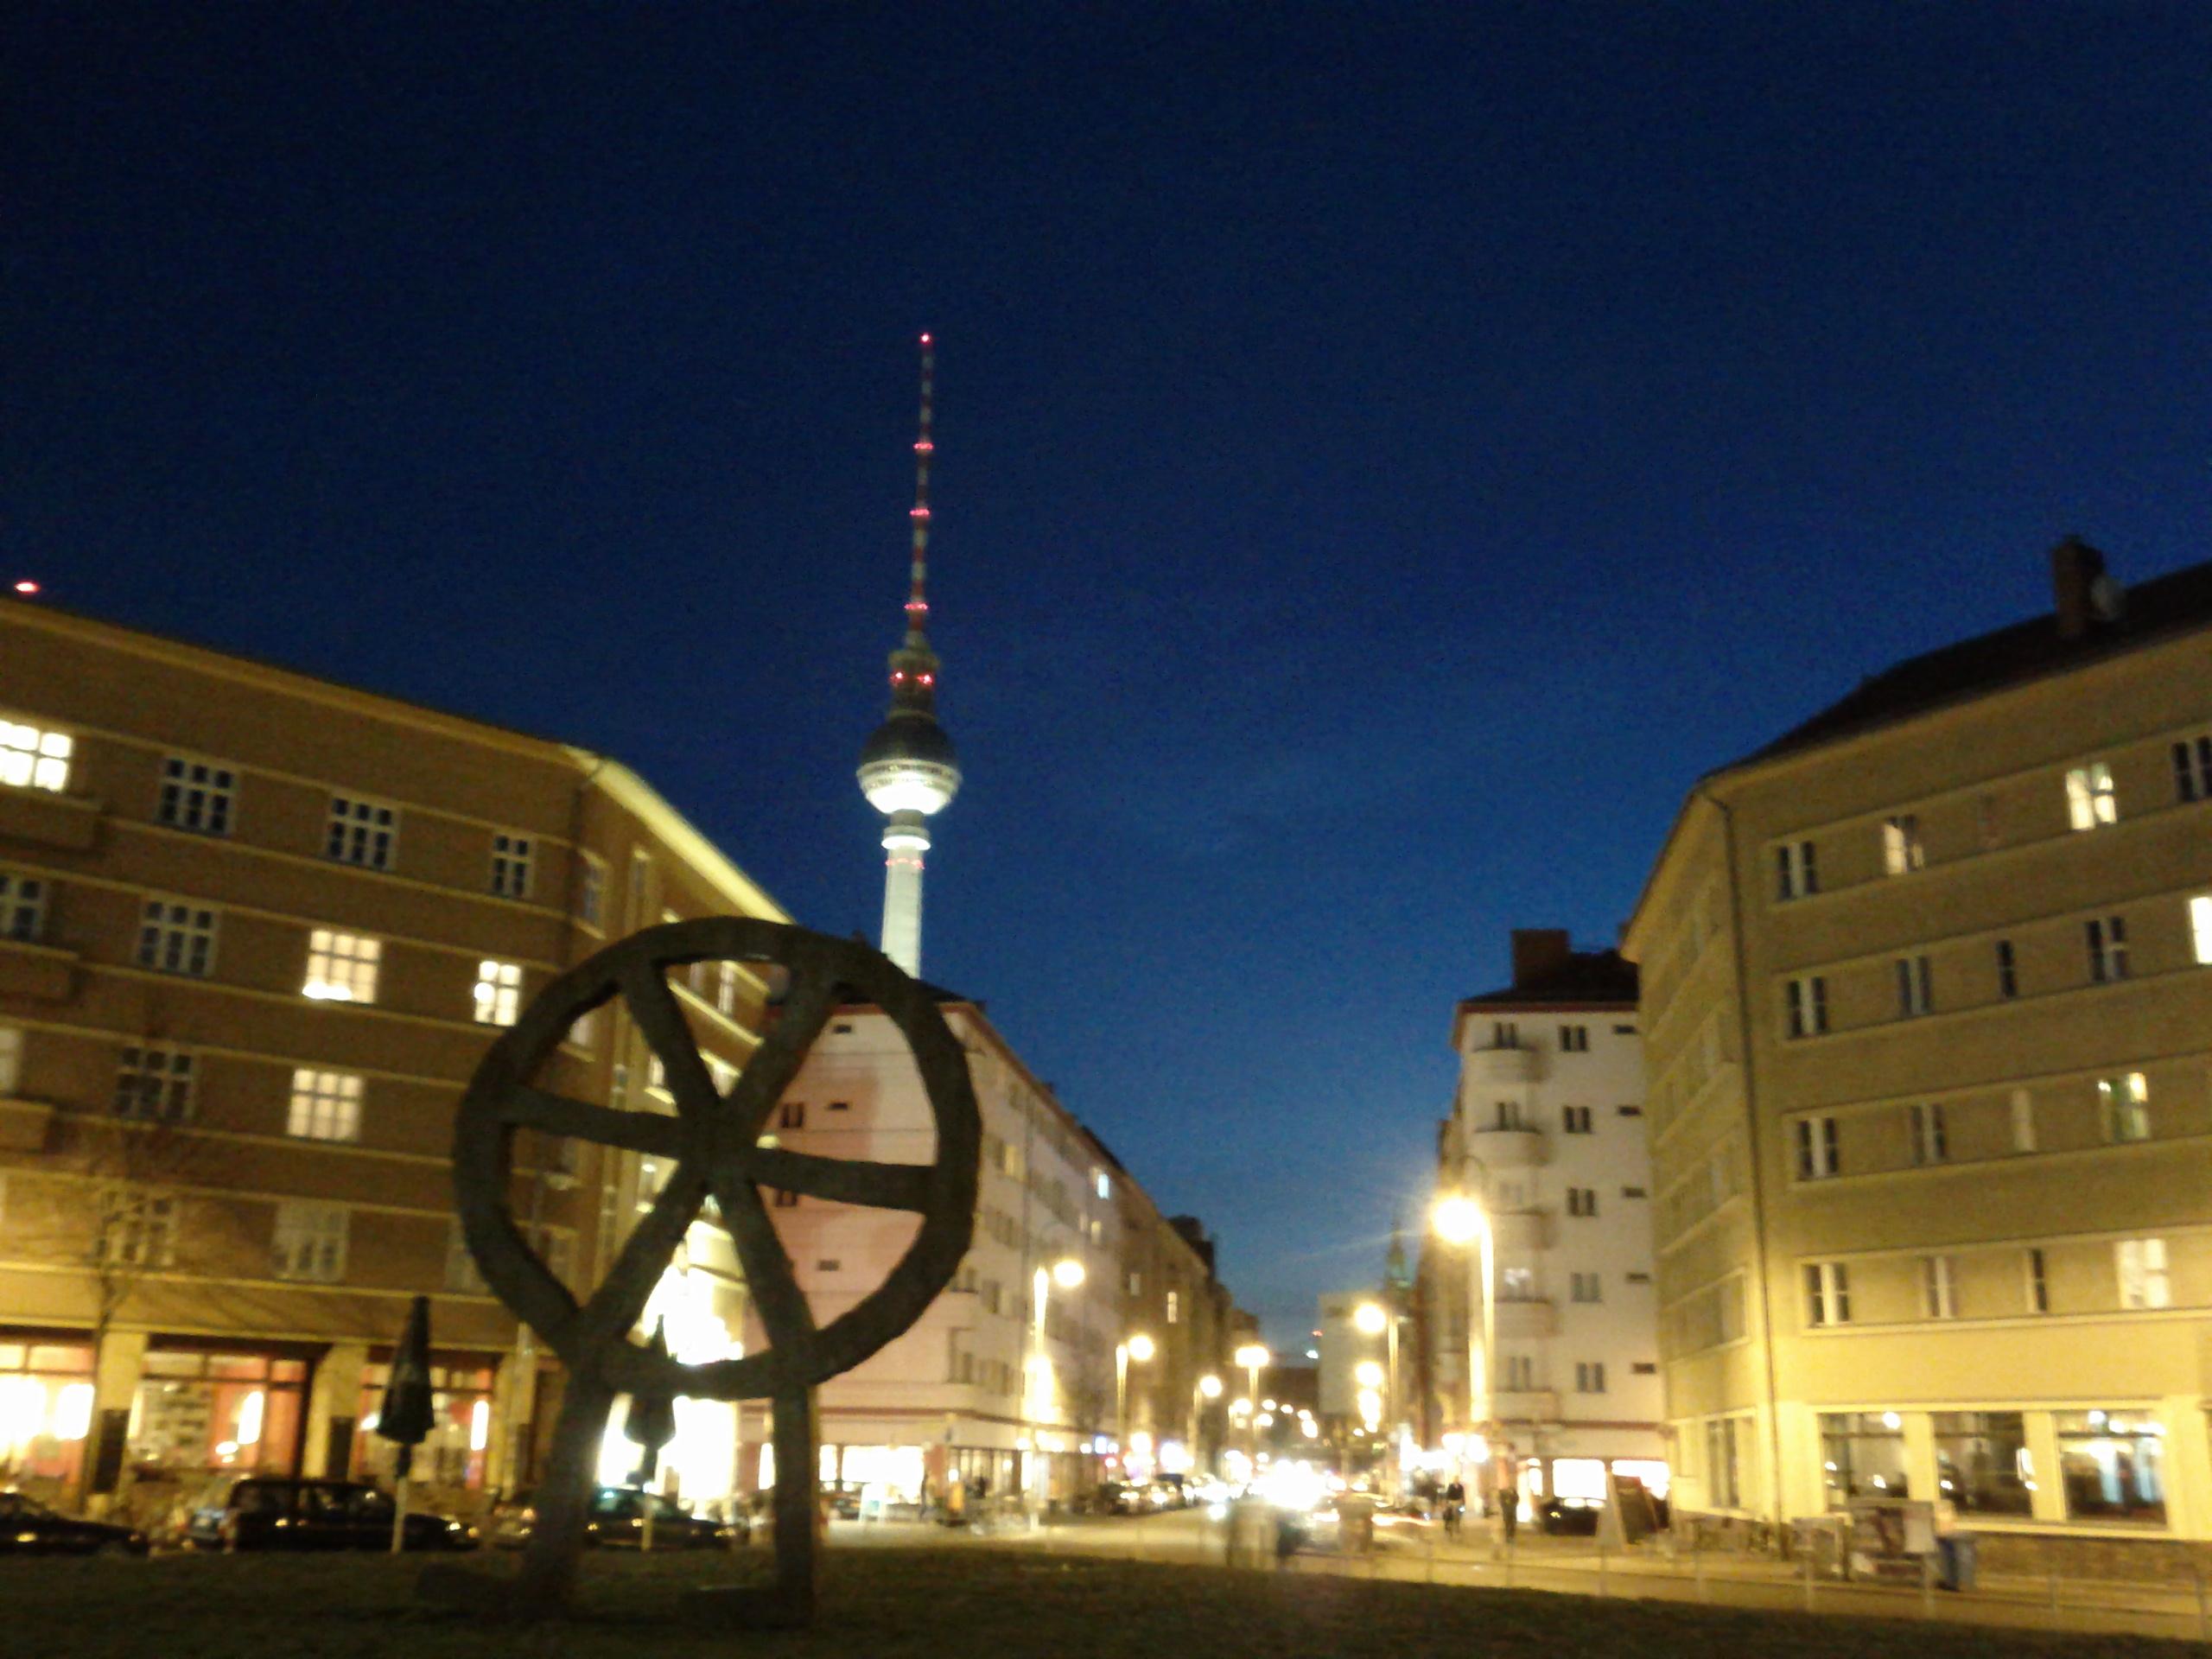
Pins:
x,y
907,770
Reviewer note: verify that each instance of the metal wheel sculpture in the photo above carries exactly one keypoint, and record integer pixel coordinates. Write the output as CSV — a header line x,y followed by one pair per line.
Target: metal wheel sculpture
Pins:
x,y
714,1141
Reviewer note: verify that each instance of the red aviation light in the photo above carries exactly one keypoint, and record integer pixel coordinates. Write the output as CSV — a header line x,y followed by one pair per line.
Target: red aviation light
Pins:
x,y
918,513
924,447
27,588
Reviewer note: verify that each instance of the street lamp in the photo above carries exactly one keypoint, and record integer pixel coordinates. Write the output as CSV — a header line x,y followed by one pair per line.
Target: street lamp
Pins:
x,y
1375,1320
1067,1274
1140,1349
1206,1388
1252,1355
1459,1221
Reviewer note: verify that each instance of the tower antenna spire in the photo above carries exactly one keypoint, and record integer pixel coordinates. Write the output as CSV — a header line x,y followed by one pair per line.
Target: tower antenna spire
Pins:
x,y
918,603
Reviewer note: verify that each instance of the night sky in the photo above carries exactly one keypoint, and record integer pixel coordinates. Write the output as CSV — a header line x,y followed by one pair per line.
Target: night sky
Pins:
x,y
1385,452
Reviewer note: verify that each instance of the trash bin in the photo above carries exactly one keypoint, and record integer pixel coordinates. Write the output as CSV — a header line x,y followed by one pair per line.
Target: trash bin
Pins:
x,y
1956,1560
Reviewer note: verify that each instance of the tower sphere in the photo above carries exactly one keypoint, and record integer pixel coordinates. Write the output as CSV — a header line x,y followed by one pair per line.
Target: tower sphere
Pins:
x,y
908,765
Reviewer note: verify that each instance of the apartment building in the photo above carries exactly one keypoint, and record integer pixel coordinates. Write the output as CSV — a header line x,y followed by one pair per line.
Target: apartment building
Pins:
x,y
1928,1035
1546,1136
256,930
1013,1375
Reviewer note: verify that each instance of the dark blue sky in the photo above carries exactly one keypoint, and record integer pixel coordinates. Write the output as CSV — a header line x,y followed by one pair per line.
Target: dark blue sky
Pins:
x,y
1385,452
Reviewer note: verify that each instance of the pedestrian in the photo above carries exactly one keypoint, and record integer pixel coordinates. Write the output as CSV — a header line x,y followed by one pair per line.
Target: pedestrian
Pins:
x,y
1509,1501
1455,1500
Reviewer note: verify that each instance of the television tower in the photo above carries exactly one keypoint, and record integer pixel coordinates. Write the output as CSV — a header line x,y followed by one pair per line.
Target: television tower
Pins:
x,y
907,770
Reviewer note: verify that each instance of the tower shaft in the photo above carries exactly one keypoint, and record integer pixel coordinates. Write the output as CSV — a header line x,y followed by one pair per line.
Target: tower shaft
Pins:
x,y
906,838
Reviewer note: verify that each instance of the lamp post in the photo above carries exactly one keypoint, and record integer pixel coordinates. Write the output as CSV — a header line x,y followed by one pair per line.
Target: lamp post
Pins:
x,y
1138,1348
1253,1356
1373,1319
1460,1220
1206,1388
1067,1274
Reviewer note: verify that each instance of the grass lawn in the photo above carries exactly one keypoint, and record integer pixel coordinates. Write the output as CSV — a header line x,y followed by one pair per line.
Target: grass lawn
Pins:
x,y
889,1602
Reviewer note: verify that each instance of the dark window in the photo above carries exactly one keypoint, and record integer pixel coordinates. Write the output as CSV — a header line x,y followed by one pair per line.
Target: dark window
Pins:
x,y
2008,977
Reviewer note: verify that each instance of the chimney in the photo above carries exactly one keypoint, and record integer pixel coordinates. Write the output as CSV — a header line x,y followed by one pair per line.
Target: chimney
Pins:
x,y
1538,951
2074,567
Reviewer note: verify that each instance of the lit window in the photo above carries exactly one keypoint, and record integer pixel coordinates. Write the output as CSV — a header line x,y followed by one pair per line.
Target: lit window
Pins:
x,y
1101,1184
361,832
1174,1307
2090,799
1939,1287
31,757
2193,770
1809,1006
176,937
326,1106
1816,1149
342,967
22,906
1797,871
726,989
511,865
1827,1293
196,795
1901,850
1931,1145
2199,926
154,1085
2126,1107
2106,936
308,1242
2142,1264
498,991
12,1060
2024,1121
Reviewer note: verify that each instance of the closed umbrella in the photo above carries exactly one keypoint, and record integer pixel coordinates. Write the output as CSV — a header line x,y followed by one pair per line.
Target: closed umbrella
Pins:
x,y
408,1413
651,1425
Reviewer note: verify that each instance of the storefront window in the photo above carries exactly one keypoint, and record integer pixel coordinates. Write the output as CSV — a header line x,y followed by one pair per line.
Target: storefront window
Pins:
x,y
1981,1462
454,1452
197,1412
46,1411
1862,1454
2113,1465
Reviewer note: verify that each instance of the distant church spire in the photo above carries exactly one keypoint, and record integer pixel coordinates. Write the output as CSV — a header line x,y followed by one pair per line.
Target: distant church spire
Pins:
x,y
907,769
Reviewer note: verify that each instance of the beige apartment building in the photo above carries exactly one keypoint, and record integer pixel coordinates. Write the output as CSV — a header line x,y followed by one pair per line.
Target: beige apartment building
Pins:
x,y
256,930
1928,1027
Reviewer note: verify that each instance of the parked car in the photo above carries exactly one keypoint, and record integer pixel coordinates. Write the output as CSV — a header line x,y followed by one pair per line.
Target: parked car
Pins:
x,y
617,1519
272,1512
841,1498
1572,1517
28,1527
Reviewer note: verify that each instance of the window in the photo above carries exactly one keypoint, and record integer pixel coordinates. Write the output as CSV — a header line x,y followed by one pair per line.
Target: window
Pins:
x,y
31,757
1809,1006
1817,1158
2124,1104
2024,1121
1174,1307
591,891
791,1115
1583,1287
2200,927
2112,1465
829,1264
1632,1193
22,906
361,832
176,937
1939,1279
1581,1200
1862,1454
1723,1473
1902,850
1827,1293
12,1060
154,1085
2143,1280
1913,998
1516,1284
2039,1282
498,991
461,1277
1520,1372
784,1198
1644,1367
1574,1040
1983,1463
309,1241
326,1105
1575,1120
1101,1184
342,967
1507,1115
1797,872
196,795
1631,1111
2089,797
641,883
726,989
1503,1035
511,865
2193,769
1589,1376
1931,1145
2008,972
137,1229
2107,941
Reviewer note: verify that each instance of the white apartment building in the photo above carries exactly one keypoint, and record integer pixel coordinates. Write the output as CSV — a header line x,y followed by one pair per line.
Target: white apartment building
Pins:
x,y
1546,1136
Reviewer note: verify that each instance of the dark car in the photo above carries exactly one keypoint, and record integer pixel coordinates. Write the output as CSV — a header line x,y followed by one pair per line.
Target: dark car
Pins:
x,y
28,1527
1569,1517
269,1512
617,1518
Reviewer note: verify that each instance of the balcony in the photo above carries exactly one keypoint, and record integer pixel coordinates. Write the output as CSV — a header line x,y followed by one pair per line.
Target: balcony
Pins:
x,y
1526,1319
1520,1231
1508,1148
1525,1406
1504,1065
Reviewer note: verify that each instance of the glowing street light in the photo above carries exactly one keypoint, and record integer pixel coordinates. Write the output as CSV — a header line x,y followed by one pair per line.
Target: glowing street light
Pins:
x,y
1367,1374
1252,1355
1458,1220
1140,1349
1067,1274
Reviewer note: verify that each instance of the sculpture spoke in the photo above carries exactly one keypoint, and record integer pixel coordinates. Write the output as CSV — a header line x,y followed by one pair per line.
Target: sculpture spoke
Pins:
x,y
653,1005
842,1180
782,1051
768,1277
619,1301
551,1114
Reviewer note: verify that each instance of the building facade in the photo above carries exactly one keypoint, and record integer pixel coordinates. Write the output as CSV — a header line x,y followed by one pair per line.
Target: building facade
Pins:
x,y
1928,1035
1546,1136
256,930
